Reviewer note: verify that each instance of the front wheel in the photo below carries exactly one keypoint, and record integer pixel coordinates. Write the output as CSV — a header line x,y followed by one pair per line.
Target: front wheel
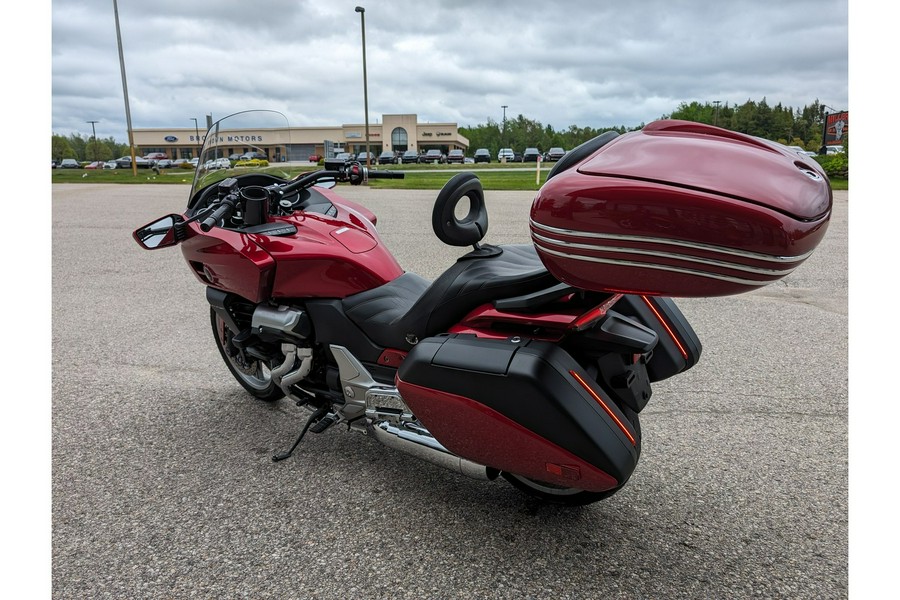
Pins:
x,y
253,374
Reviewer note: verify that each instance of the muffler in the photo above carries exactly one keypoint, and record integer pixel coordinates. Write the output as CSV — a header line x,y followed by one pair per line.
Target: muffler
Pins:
x,y
413,439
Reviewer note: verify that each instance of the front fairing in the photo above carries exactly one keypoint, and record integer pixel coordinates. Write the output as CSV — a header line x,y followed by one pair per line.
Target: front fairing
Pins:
x,y
331,248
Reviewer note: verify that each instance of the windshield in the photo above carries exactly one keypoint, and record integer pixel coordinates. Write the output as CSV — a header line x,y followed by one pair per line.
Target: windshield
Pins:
x,y
255,141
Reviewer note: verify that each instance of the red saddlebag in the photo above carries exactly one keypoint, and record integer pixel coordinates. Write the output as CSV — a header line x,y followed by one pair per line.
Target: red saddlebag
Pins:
x,y
522,407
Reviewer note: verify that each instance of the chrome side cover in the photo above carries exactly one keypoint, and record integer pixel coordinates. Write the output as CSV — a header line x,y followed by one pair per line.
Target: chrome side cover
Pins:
x,y
389,420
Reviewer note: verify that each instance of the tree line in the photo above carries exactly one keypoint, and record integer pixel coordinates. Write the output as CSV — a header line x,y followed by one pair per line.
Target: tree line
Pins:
x,y
784,124
86,149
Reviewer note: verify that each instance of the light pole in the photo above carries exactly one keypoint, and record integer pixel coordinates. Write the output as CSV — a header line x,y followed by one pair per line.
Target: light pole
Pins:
x,y
716,118
503,134
362,20
94,137
196,134
125,88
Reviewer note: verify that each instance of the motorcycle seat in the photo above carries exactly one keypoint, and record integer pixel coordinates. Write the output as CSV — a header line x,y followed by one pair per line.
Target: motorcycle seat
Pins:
x,y
409,308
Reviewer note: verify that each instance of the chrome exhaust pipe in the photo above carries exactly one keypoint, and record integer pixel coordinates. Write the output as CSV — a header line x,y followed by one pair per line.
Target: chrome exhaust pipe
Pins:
x,y
416,441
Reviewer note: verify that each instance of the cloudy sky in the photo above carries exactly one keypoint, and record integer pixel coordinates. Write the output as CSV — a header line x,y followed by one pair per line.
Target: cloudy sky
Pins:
x,y
579,62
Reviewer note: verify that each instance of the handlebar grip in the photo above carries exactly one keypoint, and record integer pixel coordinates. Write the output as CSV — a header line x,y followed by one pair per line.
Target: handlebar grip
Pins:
x,y
386,175
217,215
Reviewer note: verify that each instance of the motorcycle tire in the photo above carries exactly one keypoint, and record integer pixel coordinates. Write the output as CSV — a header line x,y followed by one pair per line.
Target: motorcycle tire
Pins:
x,y
554,494
255,376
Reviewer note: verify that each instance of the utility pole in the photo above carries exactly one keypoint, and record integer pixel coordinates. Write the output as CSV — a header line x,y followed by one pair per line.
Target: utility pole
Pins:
x,y
196,134
503,134
717,102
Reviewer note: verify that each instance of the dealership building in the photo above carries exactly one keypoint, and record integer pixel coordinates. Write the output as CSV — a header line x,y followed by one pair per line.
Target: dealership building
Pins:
x,y
395,133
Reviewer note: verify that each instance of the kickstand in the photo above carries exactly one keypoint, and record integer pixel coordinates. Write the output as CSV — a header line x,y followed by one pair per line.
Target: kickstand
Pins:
x,y
316,416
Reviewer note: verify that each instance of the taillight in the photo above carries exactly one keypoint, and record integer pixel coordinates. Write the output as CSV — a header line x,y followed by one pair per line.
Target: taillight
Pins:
x,y
666,325
608,410
598,312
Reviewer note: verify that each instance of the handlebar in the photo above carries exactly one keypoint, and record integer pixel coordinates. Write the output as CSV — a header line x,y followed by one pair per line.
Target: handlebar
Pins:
x,y
386,175
352,172
222,212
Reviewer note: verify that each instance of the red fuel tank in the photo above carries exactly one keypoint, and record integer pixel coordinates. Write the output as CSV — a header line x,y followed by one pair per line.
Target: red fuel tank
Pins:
x,y
681,209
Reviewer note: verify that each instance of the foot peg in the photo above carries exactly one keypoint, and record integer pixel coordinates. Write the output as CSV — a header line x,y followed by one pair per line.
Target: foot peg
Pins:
x,y
323,424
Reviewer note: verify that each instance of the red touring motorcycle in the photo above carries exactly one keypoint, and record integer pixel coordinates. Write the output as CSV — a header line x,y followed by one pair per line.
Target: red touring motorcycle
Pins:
x,y
528,361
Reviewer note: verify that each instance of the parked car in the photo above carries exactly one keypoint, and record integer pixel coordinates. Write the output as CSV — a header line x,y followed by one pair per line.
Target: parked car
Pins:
x,y
482,155
469,161
109,165
124,162
251,155
69,163
194,162
361,157
828,150
165,163
53,164
343,156
531,155
433,155
555,153
410,156
517,157
220,163
314,158
98,164
156,156
387,158
456,156
506,153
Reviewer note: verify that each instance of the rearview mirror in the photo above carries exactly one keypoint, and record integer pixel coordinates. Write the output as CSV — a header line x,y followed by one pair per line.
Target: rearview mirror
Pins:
x,y
158,234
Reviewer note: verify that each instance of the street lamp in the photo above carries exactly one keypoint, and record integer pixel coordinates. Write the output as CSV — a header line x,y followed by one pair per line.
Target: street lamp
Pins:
x,y
94,137
362,20
716,118
196,134
503,135
125,89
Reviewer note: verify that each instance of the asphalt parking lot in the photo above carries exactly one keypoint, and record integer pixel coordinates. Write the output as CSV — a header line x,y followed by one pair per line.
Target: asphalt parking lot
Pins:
x,y
163,487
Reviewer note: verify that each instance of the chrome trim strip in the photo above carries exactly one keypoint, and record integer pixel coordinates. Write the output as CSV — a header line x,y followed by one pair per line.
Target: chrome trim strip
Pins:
x,y
683,257
669,242
639,265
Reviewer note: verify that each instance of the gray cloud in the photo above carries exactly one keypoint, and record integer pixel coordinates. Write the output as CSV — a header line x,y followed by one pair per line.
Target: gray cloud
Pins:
x,y
579,62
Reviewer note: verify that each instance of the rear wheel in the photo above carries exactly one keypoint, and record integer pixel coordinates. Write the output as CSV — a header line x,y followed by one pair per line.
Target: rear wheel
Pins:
x,y
555,494
254,375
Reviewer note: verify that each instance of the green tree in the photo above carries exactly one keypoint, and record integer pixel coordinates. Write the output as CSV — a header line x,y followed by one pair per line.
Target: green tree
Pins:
x,y
60,148
97,150
78,144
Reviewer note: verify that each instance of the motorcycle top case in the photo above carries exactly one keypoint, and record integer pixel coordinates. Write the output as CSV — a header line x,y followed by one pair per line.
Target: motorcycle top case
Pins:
x,y
681,209
523,407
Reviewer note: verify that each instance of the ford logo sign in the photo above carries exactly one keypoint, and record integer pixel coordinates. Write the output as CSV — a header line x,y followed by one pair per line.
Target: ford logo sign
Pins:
x,y
171,138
